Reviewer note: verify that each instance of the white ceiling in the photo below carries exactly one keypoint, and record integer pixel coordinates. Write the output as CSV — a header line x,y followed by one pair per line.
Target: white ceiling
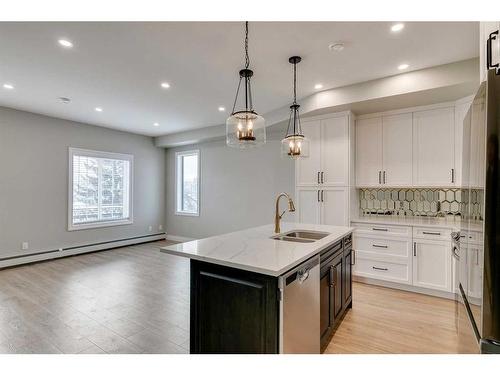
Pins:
x,y
119,66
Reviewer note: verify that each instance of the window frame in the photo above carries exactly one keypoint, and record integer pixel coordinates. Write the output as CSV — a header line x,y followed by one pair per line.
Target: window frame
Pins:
x,y
178,183
72,151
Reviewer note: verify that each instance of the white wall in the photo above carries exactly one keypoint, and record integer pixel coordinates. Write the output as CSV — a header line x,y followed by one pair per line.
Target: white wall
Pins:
x,y
34,182
238,188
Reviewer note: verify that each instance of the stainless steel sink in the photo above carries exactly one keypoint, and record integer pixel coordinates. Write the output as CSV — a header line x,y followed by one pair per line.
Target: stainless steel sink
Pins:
x,y
304,236
292,239
307,234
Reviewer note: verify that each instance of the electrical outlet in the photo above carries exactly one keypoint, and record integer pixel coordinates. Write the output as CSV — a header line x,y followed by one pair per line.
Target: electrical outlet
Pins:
x,y
150,228
160,227
25,246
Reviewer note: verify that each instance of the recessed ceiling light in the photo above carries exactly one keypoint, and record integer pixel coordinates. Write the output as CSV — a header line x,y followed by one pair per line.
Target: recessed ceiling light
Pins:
x,y
98,109
165,85
65,43
336,47
64,100
403,66
318,86
397,27
8,86
156,124
222,109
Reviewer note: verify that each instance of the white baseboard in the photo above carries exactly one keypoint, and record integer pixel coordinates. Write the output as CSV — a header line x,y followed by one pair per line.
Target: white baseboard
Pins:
x,y
173,237
23,259
407,288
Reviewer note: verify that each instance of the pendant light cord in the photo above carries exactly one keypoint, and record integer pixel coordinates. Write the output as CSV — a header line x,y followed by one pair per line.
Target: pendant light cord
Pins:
x,y
247,59
248,89
295,83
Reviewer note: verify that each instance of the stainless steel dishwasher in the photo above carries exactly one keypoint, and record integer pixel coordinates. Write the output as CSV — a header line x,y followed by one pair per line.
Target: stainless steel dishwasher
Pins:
x,y
299,309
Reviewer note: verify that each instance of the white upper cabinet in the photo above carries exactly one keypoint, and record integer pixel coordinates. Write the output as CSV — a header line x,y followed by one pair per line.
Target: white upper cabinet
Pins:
x,y
308,168
434,147
335,151
384,151
369,152
397,150
328,160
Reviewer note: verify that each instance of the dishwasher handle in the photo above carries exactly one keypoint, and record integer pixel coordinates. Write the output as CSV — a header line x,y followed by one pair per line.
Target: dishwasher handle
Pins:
x,y
303,275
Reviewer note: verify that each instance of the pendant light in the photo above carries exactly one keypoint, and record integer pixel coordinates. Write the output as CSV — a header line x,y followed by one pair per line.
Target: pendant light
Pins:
x,y
295,144
245,128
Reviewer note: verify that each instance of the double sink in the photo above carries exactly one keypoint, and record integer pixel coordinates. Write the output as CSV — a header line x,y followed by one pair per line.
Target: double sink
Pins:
x,y
303,236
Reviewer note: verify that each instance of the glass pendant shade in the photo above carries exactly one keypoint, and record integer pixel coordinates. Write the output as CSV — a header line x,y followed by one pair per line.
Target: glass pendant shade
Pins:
x,y
295,145
245,129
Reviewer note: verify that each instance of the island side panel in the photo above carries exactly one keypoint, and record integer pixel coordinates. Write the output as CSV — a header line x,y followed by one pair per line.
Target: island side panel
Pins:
x,y
232,311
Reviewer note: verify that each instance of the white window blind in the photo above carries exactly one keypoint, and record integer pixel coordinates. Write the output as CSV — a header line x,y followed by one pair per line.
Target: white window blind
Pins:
x,y
100,189
187,172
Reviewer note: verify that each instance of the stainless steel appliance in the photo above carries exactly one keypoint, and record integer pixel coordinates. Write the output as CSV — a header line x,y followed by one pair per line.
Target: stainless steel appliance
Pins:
x,y
476,246
299,309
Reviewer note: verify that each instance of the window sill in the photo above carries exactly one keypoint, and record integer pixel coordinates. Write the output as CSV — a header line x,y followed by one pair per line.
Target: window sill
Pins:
x,y
180,213
101,224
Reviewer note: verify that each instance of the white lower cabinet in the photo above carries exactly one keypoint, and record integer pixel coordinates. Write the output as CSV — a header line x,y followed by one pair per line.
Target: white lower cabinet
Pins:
x,y
432,264
329,206
404,255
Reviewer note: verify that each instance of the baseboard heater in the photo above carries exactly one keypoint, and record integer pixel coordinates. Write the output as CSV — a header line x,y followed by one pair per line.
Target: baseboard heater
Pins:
x,y
73,250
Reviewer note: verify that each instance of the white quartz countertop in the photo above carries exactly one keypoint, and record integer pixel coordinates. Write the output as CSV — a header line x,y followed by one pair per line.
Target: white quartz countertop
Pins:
x,y
254,250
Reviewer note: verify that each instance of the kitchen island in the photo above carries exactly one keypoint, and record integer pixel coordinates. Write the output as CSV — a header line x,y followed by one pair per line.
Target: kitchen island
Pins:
x,y
241,288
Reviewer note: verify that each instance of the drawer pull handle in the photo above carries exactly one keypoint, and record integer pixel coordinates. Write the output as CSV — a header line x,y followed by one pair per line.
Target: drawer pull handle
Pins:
x,y
380,246
432,233
381,229
380,269
353,258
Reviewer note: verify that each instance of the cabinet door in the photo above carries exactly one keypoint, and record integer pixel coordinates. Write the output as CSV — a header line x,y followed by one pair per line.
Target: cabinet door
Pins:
x,y
336,274
307,168
347,279
326,298
334,206
335,151
397,150
308,200
434,147
432,264
232,311
368,151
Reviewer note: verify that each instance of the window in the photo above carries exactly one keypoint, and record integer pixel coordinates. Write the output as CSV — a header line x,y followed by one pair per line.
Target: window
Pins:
x,y
187,179
100,189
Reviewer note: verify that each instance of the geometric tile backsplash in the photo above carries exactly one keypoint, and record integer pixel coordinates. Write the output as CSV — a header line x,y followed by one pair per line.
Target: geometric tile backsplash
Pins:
x,y
419,202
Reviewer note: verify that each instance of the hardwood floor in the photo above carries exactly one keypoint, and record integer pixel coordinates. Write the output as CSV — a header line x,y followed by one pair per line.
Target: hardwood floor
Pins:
x,y
128,300
136,300
386,320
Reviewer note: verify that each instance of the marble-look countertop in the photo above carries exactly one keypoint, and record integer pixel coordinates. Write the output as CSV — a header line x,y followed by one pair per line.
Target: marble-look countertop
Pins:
x,y
254,250
452,223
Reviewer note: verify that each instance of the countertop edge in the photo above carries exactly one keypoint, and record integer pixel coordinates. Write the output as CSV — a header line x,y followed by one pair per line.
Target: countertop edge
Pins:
x,y
454,225
257,269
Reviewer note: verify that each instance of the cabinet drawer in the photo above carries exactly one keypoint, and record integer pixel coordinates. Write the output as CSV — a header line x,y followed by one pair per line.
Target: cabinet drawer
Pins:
x,y
388,271
385,230
381,245
430,233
